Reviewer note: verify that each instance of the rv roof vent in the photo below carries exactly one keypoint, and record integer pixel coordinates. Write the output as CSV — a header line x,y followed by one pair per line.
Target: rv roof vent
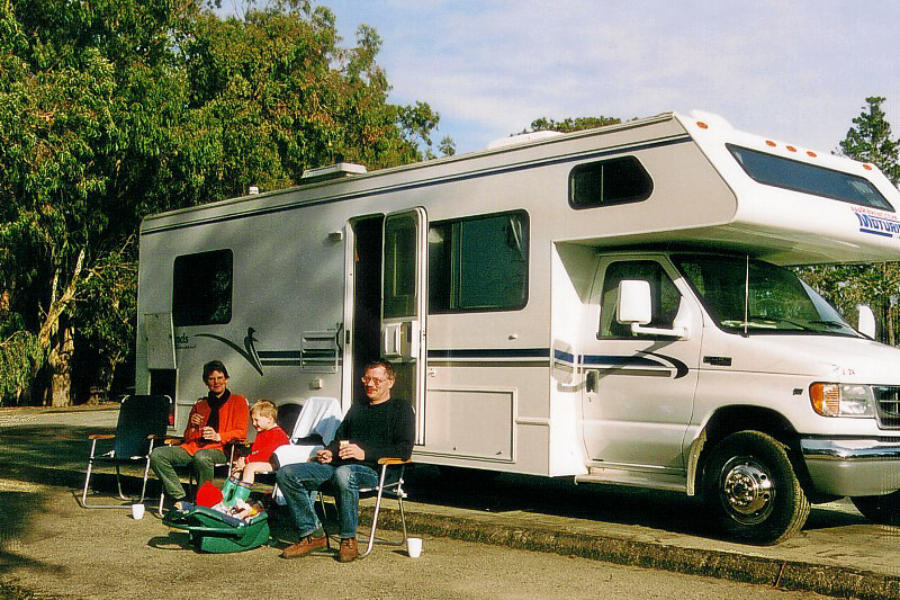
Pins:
x,y
331,172
522,138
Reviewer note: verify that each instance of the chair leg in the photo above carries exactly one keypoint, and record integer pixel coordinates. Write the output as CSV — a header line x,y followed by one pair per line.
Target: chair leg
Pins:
x,y
122,496
87,485
402,516
87,479
372,533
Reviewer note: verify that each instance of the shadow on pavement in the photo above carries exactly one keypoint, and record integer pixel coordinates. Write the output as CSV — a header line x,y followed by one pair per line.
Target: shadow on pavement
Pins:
x,y
669,511
22,506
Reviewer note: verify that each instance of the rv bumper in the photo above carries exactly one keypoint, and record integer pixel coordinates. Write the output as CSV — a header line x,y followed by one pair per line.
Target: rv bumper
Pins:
x,y
853,467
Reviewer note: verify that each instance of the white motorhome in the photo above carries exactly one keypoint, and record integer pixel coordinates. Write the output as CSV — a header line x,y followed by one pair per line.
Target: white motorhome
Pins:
x,y
609,305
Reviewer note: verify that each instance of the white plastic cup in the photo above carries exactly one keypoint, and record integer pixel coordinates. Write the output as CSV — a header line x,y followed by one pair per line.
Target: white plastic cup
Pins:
x,y
414,547
137,511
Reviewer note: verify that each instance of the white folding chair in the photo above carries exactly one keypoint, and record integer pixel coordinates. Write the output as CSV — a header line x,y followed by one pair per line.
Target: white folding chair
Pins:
x,y
315,428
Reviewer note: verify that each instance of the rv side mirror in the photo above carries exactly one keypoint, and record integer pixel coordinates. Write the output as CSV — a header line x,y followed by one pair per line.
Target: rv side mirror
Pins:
x,y
635,309
866,321
634,302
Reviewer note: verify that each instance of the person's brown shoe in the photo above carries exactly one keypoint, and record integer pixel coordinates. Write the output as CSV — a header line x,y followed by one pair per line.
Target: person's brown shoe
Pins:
x,y
349,550
304,547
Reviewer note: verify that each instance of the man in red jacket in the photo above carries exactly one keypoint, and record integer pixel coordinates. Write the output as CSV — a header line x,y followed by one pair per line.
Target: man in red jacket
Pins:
x,y
216,420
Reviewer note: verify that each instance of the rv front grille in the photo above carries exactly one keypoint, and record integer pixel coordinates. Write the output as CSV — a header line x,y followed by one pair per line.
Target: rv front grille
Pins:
x,y
887,398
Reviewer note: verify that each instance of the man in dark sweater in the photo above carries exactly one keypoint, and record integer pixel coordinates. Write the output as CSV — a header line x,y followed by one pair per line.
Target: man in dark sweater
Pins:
x,y
378,428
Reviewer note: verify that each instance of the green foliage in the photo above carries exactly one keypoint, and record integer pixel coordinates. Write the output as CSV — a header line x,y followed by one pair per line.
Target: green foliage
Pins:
x,y
869,140
569,125
114,109
19,355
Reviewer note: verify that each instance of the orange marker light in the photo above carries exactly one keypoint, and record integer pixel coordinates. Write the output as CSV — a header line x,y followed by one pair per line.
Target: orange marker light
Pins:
x,y
702,125
867,167
770,143
811,154
791,148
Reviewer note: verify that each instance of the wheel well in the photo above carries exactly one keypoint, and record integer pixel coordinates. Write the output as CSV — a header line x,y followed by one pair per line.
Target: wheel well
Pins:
x,y
731,419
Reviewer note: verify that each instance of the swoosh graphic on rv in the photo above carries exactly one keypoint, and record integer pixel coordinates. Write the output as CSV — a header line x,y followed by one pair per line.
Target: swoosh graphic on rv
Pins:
x,y
639,359
248,351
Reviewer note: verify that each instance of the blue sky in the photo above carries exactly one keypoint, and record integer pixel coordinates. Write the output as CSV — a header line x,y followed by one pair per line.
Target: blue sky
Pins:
x,y
797,70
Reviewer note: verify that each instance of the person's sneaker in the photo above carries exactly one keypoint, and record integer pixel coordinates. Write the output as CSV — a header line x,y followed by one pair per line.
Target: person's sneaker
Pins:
x,y
304,547
349,550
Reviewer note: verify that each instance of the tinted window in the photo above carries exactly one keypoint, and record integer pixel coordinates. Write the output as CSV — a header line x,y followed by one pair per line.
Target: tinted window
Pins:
x,y
202,288
400,266
609,182
666,297
809,179
478,264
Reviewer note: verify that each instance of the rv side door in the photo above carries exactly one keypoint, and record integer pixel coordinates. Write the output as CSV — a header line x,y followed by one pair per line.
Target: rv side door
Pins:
x,y
404,305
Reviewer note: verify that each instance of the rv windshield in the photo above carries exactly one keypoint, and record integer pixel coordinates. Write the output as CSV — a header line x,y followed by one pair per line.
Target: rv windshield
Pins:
x,y
777,301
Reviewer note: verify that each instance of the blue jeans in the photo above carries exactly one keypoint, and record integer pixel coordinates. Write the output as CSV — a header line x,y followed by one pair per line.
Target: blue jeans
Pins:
x,y
297,481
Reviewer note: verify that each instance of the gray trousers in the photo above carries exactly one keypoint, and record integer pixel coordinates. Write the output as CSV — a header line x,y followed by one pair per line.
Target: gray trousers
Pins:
x,y
164,459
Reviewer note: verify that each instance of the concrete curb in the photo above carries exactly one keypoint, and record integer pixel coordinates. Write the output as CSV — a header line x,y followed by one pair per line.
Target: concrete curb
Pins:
x,y
787,575
797,576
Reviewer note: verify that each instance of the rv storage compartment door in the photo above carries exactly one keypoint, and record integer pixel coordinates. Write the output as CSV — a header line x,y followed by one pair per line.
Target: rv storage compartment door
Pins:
x,y
404,305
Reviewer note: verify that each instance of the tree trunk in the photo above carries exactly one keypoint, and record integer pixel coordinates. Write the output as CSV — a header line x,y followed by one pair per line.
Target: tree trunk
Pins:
x,y
60,362
892,333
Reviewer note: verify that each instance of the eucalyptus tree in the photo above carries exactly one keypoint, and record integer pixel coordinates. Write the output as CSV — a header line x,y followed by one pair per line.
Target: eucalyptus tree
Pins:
x,y
114,109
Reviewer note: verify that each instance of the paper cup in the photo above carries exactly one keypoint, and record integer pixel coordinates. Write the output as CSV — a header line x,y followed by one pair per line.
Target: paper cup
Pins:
x,y
137,511
414,547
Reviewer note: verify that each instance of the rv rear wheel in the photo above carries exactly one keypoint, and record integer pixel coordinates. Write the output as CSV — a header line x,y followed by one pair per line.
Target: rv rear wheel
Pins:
x,y
751,485
884,510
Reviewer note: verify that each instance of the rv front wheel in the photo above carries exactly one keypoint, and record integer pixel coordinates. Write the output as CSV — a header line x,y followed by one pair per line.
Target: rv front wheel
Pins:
x,y
751,486
884,510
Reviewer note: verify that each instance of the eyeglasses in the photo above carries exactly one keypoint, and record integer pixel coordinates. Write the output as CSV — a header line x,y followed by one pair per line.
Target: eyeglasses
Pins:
x,y
374,380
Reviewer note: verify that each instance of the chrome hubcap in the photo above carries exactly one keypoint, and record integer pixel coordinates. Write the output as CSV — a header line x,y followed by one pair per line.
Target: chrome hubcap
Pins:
x,y
747,490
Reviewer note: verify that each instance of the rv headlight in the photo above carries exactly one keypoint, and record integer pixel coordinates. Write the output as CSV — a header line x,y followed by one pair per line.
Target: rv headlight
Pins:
x,y
842,400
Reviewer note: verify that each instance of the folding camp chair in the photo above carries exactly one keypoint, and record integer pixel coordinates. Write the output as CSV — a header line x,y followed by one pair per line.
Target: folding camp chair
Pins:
x,y
314,429
141,420
390,484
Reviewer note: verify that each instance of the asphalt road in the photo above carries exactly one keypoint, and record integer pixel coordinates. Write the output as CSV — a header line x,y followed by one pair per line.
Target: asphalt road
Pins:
x,y
56,549
839,552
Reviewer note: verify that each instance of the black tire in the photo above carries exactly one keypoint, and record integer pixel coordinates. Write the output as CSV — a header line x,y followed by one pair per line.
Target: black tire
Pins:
x,y
750,484
884,510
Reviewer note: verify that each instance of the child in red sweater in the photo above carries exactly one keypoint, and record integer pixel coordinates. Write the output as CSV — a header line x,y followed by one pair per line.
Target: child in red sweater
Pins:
x,y
269,436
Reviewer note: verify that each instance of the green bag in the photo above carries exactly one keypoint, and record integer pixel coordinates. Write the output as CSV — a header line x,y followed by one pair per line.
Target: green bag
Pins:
x,y
217,533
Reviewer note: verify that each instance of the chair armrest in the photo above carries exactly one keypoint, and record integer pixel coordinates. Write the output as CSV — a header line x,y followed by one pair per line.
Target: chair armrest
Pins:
x,y
102,436
171,441
387,460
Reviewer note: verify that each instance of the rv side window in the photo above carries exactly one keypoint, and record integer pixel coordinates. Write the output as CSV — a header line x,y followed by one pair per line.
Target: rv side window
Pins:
x,y
776,171
478,263
666,297
202,288
609,182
